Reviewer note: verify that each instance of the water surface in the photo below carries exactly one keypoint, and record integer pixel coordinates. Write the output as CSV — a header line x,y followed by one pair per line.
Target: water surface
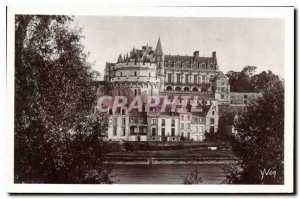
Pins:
x,y
166,174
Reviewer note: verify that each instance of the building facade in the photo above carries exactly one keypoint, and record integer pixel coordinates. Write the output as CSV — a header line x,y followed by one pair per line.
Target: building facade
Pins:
x,y
148,72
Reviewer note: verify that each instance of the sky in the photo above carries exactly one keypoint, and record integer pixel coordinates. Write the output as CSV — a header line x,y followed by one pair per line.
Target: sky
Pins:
x,y
237,41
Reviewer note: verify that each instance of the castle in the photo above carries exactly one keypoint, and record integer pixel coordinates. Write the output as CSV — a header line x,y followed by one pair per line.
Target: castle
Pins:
x,y
149,72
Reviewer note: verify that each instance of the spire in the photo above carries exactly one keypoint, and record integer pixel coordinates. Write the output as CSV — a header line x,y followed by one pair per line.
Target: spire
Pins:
x,y
158,50
120,58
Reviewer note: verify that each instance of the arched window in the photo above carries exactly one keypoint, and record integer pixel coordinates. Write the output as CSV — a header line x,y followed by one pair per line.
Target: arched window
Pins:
x,y
169,88
186,89
177,88
134,73
195,89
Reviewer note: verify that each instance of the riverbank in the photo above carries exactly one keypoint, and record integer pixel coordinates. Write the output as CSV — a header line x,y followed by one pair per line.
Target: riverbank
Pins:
x,y
200,153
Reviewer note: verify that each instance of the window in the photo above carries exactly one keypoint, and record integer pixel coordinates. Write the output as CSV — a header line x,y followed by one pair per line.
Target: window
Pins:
x,y
169,77
211,129
141,130
115,131
163,132
222,82
173,122
149,74
212,120
182,125
195,79
134,73
203,78
188,125
131,120
124,131
121,74
222,96
201,129
154,121
178,78
196,129
124,121
182,117
135,92
163,122
116,121
172,131
123,112
213,112
186,78
153,131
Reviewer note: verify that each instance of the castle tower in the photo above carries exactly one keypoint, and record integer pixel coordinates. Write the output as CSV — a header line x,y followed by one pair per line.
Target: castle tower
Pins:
x,y
222,88
159,59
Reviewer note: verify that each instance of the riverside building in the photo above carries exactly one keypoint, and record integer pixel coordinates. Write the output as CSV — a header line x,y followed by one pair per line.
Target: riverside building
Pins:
x,y
149,72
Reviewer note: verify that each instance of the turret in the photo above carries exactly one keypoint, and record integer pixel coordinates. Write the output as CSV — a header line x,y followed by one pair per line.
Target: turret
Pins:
x,y
120,59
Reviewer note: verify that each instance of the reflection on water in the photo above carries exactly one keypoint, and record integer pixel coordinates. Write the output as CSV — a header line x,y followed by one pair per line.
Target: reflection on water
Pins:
x,y
165,174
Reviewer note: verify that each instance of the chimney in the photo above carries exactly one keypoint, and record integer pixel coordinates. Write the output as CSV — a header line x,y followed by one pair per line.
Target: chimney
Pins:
x,y
196,54
214,55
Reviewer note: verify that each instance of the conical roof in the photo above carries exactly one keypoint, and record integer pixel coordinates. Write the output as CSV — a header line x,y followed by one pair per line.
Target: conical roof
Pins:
x,y
120,58
158,50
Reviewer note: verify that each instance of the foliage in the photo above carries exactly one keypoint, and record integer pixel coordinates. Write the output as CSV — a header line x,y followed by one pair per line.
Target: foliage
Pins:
x,y
247,81
260,138
58,138
193,177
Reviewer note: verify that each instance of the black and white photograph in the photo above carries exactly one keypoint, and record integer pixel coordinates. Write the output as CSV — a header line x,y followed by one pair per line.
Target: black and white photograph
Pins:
x,y
181,96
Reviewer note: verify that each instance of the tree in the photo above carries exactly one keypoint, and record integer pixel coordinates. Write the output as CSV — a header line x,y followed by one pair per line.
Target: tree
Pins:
x,y
226,121
263,80
53,98
260,138
240,81
193,177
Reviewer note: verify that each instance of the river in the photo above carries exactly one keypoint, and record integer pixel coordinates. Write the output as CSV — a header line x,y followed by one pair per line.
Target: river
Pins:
x,y
165,174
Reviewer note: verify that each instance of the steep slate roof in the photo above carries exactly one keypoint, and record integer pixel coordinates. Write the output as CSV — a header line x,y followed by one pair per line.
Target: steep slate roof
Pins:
x,y
158,50
221,75
199,60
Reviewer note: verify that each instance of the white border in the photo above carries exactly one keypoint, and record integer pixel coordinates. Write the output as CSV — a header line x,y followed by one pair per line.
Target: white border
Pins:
x,y
286,13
